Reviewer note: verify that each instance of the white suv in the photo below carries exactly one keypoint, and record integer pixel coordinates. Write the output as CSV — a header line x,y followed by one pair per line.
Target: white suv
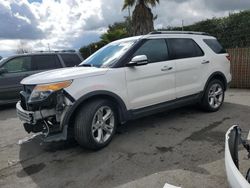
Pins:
x,y
124,80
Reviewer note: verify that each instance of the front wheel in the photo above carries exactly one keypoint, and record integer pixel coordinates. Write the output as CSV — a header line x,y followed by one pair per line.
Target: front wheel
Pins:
x,y
213,97
95,124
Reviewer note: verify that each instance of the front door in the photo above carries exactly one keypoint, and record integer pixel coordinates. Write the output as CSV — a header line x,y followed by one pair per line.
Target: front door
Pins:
x,y
153,83
16,69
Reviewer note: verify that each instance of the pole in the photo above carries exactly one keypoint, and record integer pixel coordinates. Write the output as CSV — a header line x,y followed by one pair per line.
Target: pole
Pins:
x,y
48,47
182,23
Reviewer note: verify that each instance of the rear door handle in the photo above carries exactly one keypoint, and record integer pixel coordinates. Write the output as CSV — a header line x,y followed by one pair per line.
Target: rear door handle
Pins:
x,y
166,68
205,62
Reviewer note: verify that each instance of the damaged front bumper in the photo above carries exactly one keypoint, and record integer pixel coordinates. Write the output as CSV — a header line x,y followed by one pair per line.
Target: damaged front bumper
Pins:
x,y
32,117
45,118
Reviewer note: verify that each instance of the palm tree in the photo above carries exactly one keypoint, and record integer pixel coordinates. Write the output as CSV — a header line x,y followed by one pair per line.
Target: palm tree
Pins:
x,y
142,18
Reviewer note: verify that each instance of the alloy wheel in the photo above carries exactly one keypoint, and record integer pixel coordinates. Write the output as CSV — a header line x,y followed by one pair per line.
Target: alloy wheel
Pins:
x,y
215,95
103,124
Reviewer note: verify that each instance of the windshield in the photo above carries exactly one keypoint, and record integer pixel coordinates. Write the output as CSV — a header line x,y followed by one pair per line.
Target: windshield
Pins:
x,y
2,60
108,55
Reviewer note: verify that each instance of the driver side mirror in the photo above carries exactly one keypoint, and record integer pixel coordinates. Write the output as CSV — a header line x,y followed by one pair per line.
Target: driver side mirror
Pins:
x,y
2,70
138,61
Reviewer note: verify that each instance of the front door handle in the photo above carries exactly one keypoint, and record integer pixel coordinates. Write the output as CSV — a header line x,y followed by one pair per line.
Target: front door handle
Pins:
x,y
166,68
205,62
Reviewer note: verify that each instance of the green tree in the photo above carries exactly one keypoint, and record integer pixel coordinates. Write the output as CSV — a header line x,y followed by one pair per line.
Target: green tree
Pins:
x,y
232,31
142,18
116,31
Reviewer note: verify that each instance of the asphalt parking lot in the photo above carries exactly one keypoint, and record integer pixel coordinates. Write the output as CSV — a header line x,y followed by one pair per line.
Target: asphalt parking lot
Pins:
x,y
184,147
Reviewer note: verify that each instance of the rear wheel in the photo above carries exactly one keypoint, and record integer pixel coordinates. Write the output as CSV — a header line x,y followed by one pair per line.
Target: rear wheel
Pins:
x,y
213,97
95,124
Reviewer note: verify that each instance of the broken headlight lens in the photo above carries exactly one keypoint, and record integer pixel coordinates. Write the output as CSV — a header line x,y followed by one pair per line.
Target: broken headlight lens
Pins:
x,y
43,91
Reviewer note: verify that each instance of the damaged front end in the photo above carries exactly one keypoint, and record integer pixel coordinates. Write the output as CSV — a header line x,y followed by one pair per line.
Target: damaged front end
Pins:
x,y
42,109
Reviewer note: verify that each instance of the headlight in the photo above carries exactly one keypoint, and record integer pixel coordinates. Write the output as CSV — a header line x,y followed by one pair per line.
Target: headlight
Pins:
x,y
43,91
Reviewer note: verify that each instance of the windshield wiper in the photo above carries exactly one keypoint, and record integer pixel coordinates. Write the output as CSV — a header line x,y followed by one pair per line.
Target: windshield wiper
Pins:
x,y
85,65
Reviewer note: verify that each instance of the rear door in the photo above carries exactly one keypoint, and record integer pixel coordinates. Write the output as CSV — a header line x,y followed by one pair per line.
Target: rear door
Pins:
x,y
45,62
153,83
188,58
16,69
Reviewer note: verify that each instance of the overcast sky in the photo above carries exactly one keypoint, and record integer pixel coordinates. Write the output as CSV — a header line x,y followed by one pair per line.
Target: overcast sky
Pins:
x,y
70,24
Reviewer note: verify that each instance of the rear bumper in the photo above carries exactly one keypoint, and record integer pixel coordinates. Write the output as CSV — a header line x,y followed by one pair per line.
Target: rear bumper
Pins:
x,y
228,85
229,80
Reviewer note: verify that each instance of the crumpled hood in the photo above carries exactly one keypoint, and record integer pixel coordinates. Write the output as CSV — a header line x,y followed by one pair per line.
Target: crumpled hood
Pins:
x,y
63,74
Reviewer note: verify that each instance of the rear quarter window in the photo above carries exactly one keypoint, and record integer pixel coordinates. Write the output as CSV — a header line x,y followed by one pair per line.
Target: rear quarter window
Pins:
x,y
215,46
71,60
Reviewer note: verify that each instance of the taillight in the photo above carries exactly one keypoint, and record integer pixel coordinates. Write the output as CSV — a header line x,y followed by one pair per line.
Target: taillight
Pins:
x,y
228,57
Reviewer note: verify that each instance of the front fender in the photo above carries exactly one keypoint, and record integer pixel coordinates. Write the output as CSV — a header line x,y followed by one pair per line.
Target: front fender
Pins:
x,y
123,113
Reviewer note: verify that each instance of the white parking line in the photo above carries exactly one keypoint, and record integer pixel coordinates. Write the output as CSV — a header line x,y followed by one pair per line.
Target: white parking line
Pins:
x,y
170,186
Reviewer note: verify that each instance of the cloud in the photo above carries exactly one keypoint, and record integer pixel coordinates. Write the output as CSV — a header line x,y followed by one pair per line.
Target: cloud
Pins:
x,y
17,21
228,5
218,5
172,13
65,24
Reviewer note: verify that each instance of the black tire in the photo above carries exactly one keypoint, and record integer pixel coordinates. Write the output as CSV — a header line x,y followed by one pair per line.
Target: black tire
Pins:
x,y
205,99
83,124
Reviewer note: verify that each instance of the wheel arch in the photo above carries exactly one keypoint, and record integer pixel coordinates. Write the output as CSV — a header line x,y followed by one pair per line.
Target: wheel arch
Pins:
x,y
217,75
121,107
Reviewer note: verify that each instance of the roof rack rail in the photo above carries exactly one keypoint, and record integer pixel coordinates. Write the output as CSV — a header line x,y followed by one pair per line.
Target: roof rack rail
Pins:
x,y
178,32
53,51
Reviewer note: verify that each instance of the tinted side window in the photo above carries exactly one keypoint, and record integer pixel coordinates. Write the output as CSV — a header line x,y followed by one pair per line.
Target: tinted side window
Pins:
x,y
43,62
215,46
155,50
18,64
183,48
71,60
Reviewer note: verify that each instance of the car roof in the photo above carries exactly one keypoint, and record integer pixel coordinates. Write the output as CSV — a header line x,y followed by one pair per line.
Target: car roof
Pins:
x,y
128,39
179,34
41,53
168,34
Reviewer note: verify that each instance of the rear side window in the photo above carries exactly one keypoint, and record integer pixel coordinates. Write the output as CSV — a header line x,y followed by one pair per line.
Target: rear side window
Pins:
x,y
155,50
215,46
180,48
71,60
44,62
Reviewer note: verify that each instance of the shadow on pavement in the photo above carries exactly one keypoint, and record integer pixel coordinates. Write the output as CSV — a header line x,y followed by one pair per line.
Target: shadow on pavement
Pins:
x,y
7,106
182,139
7,111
